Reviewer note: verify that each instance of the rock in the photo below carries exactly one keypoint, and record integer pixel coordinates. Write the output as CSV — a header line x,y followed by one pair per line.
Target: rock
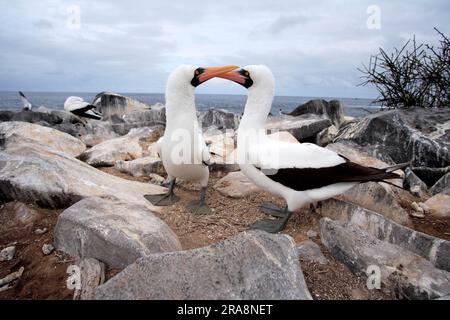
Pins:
x,y
128,147
92,275
310,251
155,178
311,234
416,186
40,231
109,103
7,253
416,207
37,174
52,138
302,127
404,135
140,167
113,231
333,110
439,205
235,185
424,207
360,155
156,116
417,214
435,250
219,118
251,265
283,136
95,132
19,213
11,280
379,198
430,175
442,185
403,273
326,136
47,249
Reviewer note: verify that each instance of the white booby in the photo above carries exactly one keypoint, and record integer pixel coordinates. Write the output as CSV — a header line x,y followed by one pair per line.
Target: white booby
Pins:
x,y
300,173
26,104
182,149
81,108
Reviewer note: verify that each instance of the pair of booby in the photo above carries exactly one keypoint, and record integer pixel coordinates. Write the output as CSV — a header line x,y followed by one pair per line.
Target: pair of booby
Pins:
x,y
81,108
300,173
182,149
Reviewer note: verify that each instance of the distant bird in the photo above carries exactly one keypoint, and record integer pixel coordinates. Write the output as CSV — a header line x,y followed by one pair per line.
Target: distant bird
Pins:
x,y
182,149
300,173
26,104
81,108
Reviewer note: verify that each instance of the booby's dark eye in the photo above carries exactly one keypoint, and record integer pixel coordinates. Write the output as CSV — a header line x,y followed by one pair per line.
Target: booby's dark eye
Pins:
x,y
246,73
197,72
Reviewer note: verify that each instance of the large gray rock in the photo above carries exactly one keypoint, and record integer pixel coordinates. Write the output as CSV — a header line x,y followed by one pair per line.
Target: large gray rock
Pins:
x,y
379,198
302,127
113,231
109,103
442,185
52,138
218,118
155,116
413,183
405,135
333,110
430,175
34,173
128,147
141,167
251,265
403,274
435,250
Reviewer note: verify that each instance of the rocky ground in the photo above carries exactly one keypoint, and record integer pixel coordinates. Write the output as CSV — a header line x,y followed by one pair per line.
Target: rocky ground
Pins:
x,y
71,194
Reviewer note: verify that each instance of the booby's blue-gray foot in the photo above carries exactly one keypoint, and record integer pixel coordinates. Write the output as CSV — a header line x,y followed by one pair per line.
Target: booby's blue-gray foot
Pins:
x,y
272,225
166,199
273,210
200,207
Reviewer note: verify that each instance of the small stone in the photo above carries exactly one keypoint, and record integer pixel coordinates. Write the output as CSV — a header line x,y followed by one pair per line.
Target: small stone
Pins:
x,y
310,251
40,231
417,214
425,207
311,233
47,249
7,254
416,207
11,280
155,178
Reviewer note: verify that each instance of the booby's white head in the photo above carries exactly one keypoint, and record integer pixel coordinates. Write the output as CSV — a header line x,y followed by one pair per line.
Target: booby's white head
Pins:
x,y
260,83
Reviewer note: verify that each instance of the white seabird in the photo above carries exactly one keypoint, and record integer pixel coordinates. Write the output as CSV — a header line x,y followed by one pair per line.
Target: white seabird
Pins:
x,y
300,173
81,108
182,149
26,104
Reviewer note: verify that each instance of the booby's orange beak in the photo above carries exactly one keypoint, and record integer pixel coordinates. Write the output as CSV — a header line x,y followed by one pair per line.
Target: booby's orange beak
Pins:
x,y
240,76
212,72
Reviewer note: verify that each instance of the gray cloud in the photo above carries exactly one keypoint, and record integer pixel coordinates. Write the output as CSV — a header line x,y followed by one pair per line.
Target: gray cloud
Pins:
x,y
313,48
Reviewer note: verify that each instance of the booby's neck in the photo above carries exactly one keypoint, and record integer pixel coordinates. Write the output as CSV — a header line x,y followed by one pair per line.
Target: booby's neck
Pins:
x,y
180,105
257,108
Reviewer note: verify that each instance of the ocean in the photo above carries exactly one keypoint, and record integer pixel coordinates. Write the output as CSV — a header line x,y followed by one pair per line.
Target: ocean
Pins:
x,y
355,107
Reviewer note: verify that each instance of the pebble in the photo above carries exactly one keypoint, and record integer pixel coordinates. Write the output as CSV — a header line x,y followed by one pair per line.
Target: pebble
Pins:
x,y
40,231
419,212
311,233
425,207
8,253
47,249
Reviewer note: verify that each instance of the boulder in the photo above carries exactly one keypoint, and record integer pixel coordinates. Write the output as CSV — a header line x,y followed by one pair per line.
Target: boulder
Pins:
x,y
235,185
413,183
404,135
302,127
95,132
439,205
155,116
252,265
435,250
140,167
310,251
333,110
402,273
52,138
113,231
430,175
219,118
377,197
109,103
35,173
128,147
442,185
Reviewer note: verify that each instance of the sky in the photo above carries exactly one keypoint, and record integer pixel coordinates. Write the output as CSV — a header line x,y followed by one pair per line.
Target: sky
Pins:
x,y
313,47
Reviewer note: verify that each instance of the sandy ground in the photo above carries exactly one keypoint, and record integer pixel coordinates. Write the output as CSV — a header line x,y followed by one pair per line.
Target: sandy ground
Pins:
x,y
45,276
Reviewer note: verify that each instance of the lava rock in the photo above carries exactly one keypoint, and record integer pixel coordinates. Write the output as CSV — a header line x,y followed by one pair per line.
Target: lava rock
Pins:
x,y
303,127
333,110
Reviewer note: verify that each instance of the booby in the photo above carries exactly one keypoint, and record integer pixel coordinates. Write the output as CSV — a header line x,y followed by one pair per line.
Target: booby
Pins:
x,y
81,108
182,149
300,173
26,104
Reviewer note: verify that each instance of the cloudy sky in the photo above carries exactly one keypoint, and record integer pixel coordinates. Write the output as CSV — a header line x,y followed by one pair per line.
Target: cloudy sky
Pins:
x,y
313,47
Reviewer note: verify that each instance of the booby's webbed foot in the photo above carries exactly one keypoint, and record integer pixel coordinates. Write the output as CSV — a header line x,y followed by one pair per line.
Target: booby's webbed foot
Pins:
x,y
162,200
198,208
271,226
273,210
